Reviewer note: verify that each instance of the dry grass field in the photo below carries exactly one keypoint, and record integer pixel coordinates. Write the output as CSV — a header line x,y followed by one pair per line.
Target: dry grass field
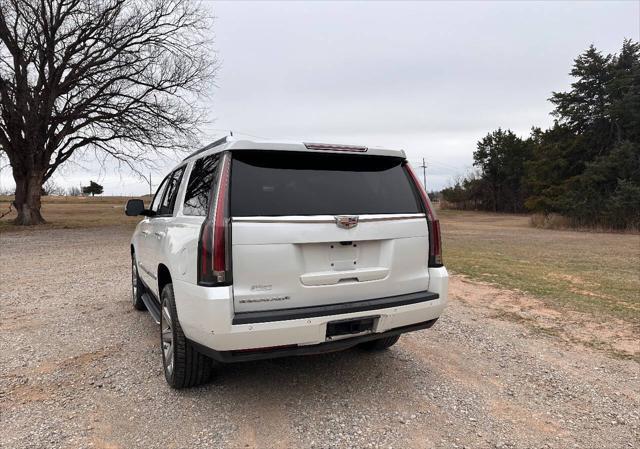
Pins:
x,y
582,287
73,212
596,273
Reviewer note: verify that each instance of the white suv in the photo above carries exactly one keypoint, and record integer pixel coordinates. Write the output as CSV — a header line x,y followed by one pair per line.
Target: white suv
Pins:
x,y
255,250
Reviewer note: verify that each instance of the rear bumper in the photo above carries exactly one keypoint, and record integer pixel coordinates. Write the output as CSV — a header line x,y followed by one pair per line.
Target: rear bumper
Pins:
x,y
321,348
333,309
207,319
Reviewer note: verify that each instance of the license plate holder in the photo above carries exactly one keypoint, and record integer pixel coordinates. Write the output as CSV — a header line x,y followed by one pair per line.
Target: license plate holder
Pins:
x,y
350,326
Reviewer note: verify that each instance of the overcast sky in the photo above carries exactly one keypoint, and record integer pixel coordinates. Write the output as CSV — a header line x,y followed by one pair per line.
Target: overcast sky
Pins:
x,y
430,78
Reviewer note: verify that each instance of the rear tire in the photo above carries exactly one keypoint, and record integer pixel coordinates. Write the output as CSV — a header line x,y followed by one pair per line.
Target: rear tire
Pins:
x,y
183,365
380,344
137,289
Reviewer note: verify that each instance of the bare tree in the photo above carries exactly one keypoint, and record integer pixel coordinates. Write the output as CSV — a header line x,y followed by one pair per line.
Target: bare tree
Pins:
x,y
118,77
74,191
51,188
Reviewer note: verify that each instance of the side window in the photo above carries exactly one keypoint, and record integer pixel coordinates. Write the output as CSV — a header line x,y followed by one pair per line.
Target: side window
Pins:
x,y
196,200
169,198
158,196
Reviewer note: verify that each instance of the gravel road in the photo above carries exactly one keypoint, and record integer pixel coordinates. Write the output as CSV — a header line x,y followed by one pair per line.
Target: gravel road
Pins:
x,y
80,368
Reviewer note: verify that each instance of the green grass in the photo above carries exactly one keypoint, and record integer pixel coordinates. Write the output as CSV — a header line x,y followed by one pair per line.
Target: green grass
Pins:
x,y
596,273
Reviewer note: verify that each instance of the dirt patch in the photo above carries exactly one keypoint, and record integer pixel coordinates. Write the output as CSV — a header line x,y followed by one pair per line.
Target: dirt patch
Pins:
x,y
580,286
14,324
83,360
522,417
26,393
618,336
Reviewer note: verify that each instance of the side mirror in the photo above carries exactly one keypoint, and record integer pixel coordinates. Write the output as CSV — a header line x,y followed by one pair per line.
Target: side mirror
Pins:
x,y
134,207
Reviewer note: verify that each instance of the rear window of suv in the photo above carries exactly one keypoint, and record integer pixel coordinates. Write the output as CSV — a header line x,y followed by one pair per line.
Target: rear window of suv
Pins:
x,y
277,183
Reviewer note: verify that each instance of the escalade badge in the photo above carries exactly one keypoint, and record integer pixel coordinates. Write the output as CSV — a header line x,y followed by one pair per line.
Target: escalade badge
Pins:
x,y
346,221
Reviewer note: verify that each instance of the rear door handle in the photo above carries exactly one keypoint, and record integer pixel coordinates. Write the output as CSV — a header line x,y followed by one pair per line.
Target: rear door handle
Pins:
x,y
145,233
159,235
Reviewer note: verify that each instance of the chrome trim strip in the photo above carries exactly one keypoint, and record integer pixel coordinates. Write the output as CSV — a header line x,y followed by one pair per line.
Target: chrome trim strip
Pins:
x,y
324,218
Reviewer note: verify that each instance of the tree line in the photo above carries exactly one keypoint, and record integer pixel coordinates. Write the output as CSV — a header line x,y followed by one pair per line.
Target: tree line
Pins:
x,y
585,167
51,188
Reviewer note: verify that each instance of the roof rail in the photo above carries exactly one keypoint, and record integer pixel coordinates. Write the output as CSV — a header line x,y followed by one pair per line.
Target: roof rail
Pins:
x,y
208,147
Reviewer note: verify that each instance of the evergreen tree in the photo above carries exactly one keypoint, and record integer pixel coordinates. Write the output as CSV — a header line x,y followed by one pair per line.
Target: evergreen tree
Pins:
x,y
501,156
92,189
586,166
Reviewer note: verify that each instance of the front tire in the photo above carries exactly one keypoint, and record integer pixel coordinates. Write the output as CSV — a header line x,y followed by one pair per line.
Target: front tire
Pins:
x,y
137,289
380,344
183,365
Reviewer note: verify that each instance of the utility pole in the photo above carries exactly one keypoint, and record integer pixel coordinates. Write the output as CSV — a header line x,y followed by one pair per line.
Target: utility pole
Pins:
x,y
424,174
150,191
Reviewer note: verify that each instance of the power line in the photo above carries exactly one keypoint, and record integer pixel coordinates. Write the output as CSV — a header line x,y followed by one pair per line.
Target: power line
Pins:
x,y
441,164
424,173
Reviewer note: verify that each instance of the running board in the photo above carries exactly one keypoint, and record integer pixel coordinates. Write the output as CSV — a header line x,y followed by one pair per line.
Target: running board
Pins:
x,y
152,307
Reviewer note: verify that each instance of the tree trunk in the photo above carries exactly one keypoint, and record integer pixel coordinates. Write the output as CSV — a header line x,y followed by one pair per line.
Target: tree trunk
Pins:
x,y
27,202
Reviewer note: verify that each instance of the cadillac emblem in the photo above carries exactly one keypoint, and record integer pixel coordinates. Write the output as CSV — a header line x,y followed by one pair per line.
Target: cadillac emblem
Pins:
x,y
346,221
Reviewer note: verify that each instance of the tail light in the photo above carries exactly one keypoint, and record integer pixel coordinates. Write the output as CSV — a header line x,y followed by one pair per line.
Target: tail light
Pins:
x,y
214,247
433,224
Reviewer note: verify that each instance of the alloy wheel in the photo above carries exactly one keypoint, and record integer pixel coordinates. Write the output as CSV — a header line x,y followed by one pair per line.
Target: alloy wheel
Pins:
x,y
134,279
167,339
